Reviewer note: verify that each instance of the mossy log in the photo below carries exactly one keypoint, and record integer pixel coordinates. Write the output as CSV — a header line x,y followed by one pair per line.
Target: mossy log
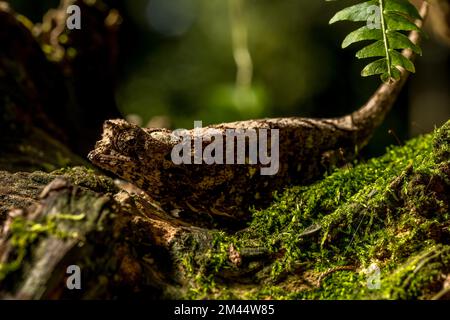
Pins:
x,y
313,241
75,218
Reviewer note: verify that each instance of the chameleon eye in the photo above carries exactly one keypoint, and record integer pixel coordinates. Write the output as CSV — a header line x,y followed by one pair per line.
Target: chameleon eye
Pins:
x,y
127,142
130,141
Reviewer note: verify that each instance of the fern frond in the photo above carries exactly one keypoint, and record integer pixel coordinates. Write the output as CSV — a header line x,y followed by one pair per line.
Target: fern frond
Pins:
x,y
386,20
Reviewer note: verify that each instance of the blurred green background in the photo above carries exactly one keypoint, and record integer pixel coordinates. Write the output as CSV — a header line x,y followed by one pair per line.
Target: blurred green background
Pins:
x,y
178,64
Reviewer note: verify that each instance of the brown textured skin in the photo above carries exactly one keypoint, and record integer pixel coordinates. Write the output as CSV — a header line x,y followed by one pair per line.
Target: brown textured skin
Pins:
x,y
307,148
143,156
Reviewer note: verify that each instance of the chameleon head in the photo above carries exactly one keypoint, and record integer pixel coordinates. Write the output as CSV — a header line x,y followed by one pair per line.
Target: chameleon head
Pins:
x,y
133,153
120,146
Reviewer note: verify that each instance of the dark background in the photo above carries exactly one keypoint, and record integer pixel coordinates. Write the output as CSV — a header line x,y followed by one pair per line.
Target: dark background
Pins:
x,y
176,66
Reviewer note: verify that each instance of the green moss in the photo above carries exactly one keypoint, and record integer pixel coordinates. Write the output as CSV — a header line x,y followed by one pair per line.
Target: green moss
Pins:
x,y
89,178
442,143
25,233
387,211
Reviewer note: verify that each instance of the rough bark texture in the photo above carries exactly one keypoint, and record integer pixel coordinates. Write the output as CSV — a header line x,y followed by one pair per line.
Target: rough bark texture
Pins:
x,y
125,245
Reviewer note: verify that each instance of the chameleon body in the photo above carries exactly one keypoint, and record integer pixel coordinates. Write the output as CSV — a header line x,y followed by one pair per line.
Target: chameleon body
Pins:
x,y
307,147
220,192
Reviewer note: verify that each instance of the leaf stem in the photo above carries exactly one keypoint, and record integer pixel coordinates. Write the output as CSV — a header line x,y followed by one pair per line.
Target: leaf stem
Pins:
x,y
385,40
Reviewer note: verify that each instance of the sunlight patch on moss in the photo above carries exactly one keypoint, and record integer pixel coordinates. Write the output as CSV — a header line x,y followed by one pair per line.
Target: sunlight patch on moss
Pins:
x,y
386,211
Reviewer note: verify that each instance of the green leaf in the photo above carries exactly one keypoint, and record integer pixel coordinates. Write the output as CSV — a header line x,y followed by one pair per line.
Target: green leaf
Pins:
x,y
388,20
399,23
400,60
398,40
362,34
395,74
376,67
359,12
402,7
374,50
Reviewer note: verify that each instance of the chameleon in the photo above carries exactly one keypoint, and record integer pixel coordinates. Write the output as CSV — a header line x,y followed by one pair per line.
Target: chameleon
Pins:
x,y
221,193
307,148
